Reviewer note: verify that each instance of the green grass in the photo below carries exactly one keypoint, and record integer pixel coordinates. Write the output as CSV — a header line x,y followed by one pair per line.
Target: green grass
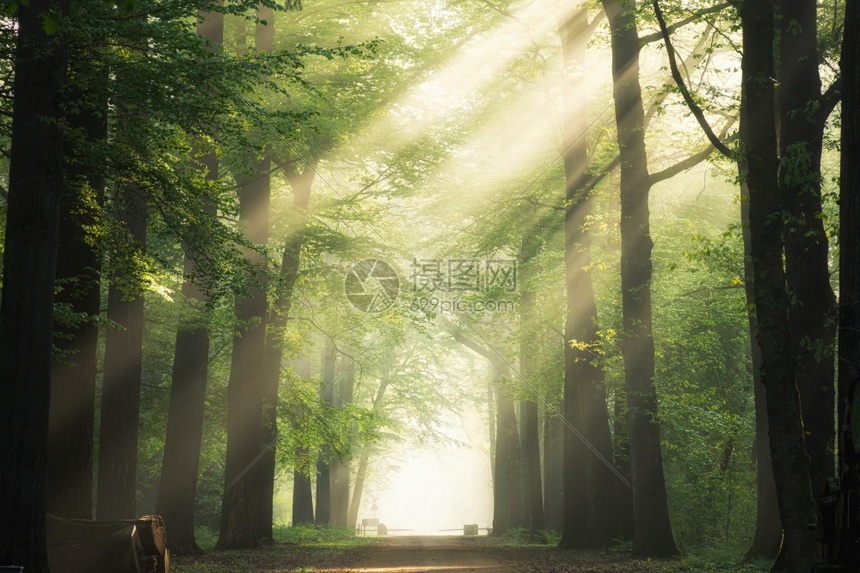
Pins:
x,y
524,537
316,535
711,559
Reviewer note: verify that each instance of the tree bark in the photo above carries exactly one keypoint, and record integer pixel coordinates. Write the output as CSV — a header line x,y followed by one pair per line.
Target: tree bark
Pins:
x,y
340,466
768,528
29,260
848,538
621,459
323,510
789,458
813,304
242,477
181,461
364,463
120,402
303,500
653,532
585,397
264,40
574,42
358,488
530,464
73,376
276,323
553,454
507,489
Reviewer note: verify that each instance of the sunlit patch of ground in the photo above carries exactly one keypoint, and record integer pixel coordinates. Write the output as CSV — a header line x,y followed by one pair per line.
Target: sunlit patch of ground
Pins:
x,y
445,554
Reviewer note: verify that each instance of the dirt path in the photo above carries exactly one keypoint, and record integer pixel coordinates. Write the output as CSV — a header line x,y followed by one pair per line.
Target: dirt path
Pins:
x,y
432,554
425,554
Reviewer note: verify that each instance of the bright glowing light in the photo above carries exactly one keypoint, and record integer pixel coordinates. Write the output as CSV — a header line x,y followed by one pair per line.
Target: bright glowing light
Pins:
x,y
440,489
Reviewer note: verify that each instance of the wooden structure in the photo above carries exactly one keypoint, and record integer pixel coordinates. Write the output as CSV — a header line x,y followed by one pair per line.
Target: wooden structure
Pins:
x,y
120,546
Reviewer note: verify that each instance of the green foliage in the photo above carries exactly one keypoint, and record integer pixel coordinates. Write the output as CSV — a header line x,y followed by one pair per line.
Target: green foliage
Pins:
x,y
523,537
318,535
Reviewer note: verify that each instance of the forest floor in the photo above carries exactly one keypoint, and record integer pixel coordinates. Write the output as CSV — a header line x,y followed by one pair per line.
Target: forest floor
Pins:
x,y
436,554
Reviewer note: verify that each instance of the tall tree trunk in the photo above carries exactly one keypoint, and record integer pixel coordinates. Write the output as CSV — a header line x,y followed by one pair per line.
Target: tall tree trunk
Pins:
x,y
363,463
491,421
181,461
242,477
279,315
264,39
358,488
621,459
29,259
303,500
507,489
530,468
653,532
120,403
553,467
768,528
574,42
813,305
340,466
73,376
789,459
586,410
848,540
323,510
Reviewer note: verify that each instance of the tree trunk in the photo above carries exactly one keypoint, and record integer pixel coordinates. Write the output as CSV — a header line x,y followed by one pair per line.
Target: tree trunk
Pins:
x,y
279,315
813,305
303,500
768,528
507,489
120,403
586,410
323,512
242,477
789,459
530,468
621,459
340,466
29,259
363,463
653,532
358,488
848,540
73,376
574,42
553,454
491,421
181,461
264,39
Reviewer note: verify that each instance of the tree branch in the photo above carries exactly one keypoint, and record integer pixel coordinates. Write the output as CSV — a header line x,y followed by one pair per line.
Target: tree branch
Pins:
x,y
829,99
676,74
691,161
681,23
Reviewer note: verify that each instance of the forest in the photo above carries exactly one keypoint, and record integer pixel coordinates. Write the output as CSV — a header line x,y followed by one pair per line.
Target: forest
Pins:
x,y
258,257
